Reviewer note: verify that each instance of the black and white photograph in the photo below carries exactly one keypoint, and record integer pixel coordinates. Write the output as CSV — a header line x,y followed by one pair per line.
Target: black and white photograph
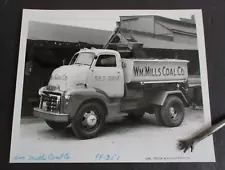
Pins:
x,y
110,86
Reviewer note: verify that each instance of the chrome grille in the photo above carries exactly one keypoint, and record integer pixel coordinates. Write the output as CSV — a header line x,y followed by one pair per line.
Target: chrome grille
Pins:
x,y
50,102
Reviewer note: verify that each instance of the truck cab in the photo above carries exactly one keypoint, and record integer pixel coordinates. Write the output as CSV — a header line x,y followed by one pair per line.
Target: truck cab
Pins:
x,y
106,73
98,84
100,69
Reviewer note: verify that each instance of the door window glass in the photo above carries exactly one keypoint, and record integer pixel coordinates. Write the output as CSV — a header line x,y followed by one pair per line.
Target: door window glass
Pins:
x,y
106,61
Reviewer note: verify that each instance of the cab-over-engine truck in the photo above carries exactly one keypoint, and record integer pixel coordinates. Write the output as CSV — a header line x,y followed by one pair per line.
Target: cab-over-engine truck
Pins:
x,y
98,83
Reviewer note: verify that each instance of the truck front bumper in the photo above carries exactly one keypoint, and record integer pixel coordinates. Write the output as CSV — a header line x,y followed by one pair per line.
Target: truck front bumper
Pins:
x,y
46,115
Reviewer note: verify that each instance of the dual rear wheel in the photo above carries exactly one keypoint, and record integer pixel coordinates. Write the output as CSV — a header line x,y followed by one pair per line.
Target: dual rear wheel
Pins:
x,y
171,114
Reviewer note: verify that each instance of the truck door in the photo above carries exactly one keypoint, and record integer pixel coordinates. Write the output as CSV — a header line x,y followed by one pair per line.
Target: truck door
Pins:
x,y
107,75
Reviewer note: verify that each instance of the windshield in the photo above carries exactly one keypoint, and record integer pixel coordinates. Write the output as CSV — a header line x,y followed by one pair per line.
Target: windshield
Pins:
x,y
84,58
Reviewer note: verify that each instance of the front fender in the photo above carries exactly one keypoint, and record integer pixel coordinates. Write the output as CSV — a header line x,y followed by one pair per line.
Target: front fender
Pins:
x,y
80,96
160,97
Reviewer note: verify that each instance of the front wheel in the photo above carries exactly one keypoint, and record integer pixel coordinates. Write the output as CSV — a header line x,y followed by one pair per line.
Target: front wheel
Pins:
x,y
57,125
88,121
172,112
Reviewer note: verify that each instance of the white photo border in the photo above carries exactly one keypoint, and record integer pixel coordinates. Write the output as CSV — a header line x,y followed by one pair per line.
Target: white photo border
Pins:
x,y
27,16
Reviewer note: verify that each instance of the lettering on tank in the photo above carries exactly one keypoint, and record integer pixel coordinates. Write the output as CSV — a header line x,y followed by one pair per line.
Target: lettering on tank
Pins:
x,y
158,72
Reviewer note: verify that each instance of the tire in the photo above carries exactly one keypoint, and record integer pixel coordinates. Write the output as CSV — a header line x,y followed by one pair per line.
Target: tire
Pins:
x,y
82,124
57,125
135,115
172,118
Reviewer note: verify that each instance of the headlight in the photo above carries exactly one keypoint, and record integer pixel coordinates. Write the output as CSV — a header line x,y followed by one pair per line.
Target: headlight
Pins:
x,y
67,96
40,91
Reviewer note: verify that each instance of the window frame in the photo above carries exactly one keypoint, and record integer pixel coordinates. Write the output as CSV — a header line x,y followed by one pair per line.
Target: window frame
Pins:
x,y
105,54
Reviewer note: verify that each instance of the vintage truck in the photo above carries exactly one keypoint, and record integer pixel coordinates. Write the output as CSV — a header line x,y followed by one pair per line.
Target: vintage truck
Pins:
x,y
99,83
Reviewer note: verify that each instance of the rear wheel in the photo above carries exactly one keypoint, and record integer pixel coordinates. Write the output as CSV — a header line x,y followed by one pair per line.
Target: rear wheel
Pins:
x,y
57,125
88,121
172,112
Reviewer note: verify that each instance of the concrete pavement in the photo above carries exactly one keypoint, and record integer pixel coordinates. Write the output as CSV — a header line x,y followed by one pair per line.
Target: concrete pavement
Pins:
x,y
131,141
36,129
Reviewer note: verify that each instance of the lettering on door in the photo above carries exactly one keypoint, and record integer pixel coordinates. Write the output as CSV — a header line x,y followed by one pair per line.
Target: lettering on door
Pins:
x,y
107,78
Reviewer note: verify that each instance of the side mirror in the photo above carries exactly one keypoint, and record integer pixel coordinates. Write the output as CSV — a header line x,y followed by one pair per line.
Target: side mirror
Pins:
x,y
95,57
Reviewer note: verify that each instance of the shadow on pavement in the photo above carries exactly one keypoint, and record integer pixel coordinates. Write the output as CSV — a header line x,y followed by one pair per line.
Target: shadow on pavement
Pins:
x,y
120,126
112,127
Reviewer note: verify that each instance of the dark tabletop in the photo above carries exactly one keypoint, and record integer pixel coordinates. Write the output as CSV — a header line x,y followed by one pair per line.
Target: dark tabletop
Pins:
x,y
214,26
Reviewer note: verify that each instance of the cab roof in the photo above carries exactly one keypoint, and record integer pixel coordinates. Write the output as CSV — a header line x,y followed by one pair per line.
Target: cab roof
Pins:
x,y
98,51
